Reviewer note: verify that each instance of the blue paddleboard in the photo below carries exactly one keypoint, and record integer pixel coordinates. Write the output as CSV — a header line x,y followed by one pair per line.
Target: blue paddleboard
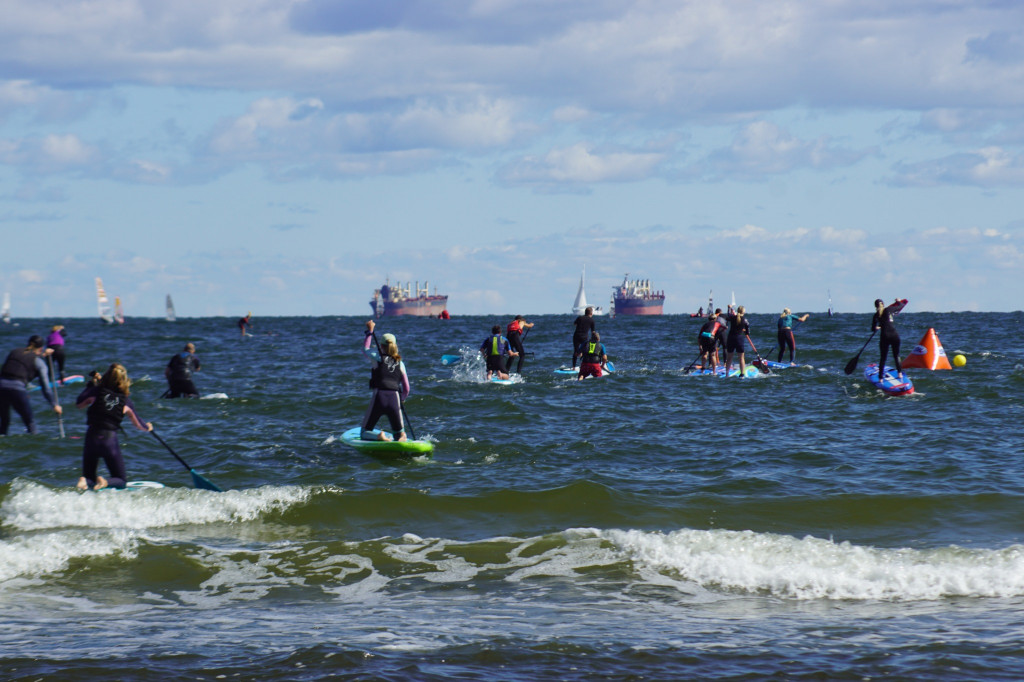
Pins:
x,y
74,379
720,371
889,383
385,448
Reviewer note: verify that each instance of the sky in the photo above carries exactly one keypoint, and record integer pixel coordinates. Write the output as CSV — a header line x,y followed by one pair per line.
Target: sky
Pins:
x,y
287,157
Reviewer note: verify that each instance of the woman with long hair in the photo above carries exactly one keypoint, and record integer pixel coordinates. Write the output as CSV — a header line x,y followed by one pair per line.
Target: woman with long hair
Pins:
x,y
106,398
884,319
786,337
739,328
390,385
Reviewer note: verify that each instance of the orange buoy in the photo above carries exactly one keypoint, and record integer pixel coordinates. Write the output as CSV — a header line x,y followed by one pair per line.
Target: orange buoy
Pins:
x,y
929,353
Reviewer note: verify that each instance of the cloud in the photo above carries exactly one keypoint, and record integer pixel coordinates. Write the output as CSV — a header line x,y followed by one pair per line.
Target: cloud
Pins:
x,y
580,165
987,167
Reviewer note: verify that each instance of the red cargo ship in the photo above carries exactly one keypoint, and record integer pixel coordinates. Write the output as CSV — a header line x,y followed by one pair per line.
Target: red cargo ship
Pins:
x,y
398,300
635,297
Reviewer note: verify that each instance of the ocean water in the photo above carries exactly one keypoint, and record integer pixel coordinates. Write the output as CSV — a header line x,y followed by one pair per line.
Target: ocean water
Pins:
x,y
648,525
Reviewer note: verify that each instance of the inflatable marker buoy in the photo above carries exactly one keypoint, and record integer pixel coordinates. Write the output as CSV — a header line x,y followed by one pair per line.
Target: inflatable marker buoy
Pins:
x,y
929,353
959,360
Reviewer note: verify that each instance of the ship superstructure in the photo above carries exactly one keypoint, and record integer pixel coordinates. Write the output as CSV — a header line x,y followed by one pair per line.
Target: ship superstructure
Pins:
x,y
409,299
636,297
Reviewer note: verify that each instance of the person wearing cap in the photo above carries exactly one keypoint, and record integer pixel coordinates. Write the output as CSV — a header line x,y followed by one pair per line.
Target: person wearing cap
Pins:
x,y
884,319
494,349
56,341
21,367
390,384
786,337
179,373
516,334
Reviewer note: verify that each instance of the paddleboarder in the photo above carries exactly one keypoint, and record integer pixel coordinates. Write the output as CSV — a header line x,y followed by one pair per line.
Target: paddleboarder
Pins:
x,y
786,337
21,367
244,323
516,331
884,320
706,340
721,336
593,356
584,327
739,328
108,403
179,373
56,341
494,349
390,384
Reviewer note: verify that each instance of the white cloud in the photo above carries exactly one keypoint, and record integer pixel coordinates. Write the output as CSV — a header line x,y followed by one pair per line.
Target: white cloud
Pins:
x,y
578,164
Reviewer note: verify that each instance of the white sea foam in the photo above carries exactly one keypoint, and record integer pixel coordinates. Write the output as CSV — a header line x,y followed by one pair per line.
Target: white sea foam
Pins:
x,y
215,396
31,506
812,568
34,555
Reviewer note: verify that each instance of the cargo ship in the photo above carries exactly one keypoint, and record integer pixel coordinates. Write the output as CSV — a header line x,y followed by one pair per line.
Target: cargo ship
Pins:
x,y
408,300
635,297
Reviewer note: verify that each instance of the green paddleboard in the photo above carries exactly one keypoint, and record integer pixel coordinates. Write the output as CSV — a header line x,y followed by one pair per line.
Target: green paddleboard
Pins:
x,y
388,449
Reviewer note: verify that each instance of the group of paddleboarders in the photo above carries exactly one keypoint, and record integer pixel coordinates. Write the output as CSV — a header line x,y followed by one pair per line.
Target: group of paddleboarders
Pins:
x,y
587,347
729,330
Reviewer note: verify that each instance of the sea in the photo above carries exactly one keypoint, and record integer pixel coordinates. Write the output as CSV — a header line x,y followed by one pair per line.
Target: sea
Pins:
x,y
648,525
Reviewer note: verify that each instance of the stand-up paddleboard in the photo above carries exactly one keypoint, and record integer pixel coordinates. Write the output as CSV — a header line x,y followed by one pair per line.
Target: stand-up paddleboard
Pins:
x,y
719,371
135,485
889,383
502,382
783,365
569,371
74,379
385,448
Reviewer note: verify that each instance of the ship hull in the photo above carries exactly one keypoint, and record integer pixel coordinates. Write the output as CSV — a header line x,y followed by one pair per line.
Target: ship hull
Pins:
x,y
639,306
424,306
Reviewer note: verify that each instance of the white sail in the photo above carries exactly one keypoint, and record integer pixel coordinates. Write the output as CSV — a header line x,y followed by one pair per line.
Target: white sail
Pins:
x,y
118,311
7,308
830,303
733,303
580,304
170,309
103,302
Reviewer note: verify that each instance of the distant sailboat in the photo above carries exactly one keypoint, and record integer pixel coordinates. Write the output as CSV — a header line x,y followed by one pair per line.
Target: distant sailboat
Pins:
x,y
7,308
830,303
579,306
170,309
103,303
118,311
733,303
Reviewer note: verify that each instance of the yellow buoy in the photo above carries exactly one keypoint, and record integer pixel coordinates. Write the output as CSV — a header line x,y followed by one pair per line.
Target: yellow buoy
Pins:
x,y
959,360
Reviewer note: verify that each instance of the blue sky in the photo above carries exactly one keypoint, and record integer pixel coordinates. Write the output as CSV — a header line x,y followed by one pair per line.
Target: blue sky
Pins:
x,y
285,156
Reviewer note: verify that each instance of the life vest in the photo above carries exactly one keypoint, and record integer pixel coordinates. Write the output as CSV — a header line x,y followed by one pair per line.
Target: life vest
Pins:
x,y
20,364
592,352
107,411
497,347
514,328
387,375
181,366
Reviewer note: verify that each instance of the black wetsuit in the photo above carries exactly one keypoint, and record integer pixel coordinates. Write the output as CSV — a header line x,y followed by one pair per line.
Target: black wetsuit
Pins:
x,y
179,380
21,366
890,338
515,342
738,331
104,419
584,326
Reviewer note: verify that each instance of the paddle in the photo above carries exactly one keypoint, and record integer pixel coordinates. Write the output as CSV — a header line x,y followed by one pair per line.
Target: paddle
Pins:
x,y
450,359
197,479
852,364
401,403
759,363
693,363
56,398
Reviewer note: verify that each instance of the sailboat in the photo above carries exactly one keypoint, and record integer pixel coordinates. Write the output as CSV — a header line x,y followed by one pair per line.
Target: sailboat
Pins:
x,y
7,308
830,303
170,309
118,311
579,306
103,303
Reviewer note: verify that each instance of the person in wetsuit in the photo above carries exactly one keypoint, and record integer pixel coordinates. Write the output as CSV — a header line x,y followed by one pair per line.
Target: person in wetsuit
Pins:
x,y
494,349
21,367
244,323
56,341
722,335
739,328
890,338
179,373
108,403
786,337
390,385
516,334
584,327
706,340
593,356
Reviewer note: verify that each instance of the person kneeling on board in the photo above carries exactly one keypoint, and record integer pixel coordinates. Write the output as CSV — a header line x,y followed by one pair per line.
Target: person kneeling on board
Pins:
x,y
390,385
592,357
179,373
108,402
494,349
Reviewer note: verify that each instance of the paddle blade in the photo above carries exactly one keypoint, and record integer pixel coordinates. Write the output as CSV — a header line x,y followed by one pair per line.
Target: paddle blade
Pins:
x,y
200,482
763,366
450,359
851,366
610,366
